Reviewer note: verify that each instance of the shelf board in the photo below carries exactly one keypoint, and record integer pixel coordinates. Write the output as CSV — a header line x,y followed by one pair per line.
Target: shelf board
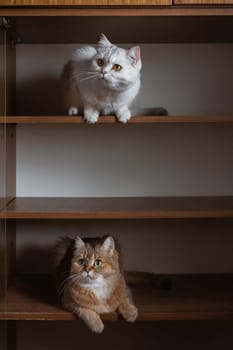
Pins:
x,y
191,297
112,120
119,11
118,208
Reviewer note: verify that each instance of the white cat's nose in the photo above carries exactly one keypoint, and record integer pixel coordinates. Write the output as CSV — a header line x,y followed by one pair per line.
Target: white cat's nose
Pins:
x,y
104,72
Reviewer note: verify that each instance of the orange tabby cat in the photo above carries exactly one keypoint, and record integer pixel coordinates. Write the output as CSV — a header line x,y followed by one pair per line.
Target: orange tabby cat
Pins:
x,y
90,281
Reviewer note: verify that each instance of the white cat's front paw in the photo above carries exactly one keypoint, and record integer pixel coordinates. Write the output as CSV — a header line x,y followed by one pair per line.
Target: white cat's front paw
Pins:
x,y
123,114
91,116
73,111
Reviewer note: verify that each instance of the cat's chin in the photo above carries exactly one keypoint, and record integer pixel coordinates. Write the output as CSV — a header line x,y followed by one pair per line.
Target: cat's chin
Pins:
x,y
92,284
105,82
90,280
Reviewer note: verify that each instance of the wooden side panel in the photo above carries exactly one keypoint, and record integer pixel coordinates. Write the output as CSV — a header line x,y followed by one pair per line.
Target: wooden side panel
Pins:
x,y
2,73
2,174
7,164
7,159
7,106
7,75
2,335
11,335
11,250
2,165
84,2
7,184
2,261
10,163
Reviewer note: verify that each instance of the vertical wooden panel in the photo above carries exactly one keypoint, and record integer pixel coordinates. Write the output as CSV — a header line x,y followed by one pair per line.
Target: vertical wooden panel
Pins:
x,y
2,192
7,164
2,168
10,76
8,192
10,162
7,106
2,262
7,183
2,165
2,73
11,250
11,335
3,325
7,75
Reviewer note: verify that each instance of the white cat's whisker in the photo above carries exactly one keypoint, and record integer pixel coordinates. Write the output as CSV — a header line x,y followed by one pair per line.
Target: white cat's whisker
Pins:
x,y
87,78
84,73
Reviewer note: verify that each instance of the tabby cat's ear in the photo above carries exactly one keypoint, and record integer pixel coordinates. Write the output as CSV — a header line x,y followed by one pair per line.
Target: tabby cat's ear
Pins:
x,y
78,243
109,245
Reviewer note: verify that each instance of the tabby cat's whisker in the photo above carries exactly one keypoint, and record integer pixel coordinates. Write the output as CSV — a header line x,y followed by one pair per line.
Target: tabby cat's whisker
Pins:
x,y
64,282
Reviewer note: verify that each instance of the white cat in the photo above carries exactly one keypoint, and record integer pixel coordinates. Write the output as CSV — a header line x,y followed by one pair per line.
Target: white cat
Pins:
x,y
102,79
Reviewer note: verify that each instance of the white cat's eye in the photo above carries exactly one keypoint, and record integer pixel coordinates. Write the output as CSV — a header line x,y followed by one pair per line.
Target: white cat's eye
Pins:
x,y
81,262
98,263
100,62
117,67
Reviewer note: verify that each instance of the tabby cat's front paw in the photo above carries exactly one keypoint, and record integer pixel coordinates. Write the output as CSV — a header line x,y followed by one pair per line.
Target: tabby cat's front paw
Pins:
x,y
129,312
123,114
97,326
132,314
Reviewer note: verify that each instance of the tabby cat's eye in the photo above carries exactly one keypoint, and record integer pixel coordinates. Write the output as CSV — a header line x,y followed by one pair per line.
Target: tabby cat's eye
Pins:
x,y
98,263
81,262
100,62
117,67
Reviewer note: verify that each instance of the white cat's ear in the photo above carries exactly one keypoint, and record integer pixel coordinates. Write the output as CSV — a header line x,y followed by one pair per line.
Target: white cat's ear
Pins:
x,y
104,42
78,243
109,245
135,54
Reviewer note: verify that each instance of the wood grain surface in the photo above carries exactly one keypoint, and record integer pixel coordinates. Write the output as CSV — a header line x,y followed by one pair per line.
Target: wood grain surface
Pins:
x,y
112,120
119,208
82,2
191,297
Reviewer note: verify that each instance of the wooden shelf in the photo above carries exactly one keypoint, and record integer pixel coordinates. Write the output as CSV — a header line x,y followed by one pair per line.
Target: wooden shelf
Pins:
x,y
119,11
119,208
112,120
191,297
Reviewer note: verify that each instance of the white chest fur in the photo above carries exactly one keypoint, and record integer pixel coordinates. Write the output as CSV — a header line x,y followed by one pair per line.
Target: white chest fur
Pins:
x,y
102,292
100,289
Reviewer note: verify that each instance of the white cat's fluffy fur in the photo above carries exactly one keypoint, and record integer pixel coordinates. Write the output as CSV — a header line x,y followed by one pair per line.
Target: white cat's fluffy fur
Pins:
x,y
91,89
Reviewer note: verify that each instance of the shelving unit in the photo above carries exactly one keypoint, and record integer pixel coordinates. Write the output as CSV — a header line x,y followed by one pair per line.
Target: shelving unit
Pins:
x,y
33,297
